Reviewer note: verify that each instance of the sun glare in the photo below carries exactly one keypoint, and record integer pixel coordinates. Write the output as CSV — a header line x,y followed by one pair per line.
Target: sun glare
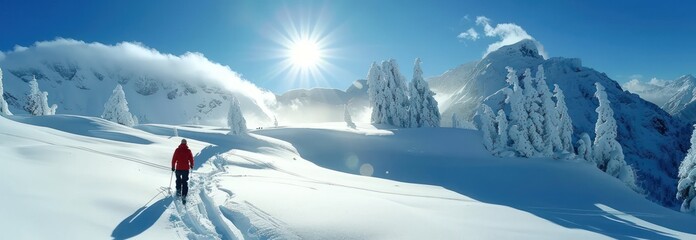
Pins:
x,y
306,50
304,54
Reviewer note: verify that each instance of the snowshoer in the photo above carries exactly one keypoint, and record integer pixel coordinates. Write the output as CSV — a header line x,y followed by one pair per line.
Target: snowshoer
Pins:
x,y
182,162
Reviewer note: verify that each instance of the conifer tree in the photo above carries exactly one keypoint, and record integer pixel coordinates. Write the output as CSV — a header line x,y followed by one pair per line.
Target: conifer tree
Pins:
x,y
235,118
4,109
116,108
423,108
608,153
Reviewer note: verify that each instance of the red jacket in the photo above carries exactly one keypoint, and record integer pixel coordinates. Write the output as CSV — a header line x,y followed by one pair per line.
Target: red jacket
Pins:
x,y
183,158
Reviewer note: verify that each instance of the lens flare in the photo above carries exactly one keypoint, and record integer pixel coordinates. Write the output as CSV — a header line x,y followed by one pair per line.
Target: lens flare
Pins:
x,y
306,48
366,169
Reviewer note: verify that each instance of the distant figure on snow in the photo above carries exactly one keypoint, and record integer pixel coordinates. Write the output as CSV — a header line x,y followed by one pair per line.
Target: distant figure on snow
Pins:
x,y
182,162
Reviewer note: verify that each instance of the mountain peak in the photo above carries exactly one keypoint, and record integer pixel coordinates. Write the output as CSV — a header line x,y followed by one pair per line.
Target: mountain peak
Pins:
x,y
687,77
527,48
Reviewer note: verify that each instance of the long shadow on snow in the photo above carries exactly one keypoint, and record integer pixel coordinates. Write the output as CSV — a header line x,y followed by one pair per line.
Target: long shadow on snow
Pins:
x,y
141,219
553,190
80,125
220,143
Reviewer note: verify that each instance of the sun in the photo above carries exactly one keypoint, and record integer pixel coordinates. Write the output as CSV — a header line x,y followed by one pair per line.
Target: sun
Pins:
x,y
304,54
306,50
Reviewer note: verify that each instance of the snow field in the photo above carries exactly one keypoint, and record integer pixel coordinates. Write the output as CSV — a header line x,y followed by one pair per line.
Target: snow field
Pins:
x,y
84,178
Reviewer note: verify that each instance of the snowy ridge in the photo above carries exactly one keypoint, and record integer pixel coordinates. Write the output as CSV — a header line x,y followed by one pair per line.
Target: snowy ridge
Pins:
x,y
653,141
481,79
322,105
677,97
79,77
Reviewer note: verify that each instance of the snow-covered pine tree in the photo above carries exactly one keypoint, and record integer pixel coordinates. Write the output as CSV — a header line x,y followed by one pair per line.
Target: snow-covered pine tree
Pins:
x,y
551,137
455,121
518,116
535,124
423,110
485,123
686,188
376,93
395,93
347,118
607,152
116,108
4,109
235,118
585,147
275,121
565,126
37,101
501,142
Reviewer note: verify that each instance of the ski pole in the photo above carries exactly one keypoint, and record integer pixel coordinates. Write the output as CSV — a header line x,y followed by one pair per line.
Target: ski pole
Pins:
x,y
170,182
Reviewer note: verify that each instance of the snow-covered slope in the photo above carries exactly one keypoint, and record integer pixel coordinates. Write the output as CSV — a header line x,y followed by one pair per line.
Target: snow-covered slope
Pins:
x,y
75,177
653,141
85,178
677,97
162,88
466,86
323,104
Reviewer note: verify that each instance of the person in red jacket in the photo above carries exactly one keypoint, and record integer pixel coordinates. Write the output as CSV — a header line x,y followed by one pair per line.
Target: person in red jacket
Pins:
x,y
182,162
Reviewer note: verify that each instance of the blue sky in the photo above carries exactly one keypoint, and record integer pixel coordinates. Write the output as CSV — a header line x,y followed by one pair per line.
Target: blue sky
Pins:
x,y
625,39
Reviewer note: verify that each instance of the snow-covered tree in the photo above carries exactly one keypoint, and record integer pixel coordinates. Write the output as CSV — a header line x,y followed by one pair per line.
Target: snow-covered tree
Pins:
x,y
485,123
395,92
501,142
551,136
387,93
423,109
376,93
686,188
275,121
585,147
608,154
347,118
116,108
518,132
4,109
176,132
455,121
37,102
235,118
535,124
565,126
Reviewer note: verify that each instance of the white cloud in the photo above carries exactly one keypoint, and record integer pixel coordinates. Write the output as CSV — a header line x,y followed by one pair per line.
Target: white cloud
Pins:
x,y
654,90
18,48
636,76
470,34
136,58
636,86
658,82
507,33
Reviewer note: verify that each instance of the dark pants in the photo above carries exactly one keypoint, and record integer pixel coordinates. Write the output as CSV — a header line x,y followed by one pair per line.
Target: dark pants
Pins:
x,y
181,182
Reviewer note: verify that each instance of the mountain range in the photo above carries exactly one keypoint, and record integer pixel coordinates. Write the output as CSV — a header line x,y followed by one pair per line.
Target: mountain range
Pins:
x,y
163,88
677,97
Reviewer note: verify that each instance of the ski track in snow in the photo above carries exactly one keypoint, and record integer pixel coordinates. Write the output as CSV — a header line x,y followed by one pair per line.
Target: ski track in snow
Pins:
x,y
204,219
132,159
